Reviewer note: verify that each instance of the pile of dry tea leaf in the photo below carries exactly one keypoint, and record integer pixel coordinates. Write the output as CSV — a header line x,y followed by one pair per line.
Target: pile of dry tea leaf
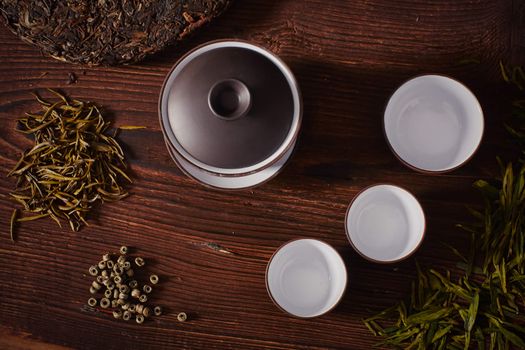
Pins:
x,y
72,165
116,288
106,31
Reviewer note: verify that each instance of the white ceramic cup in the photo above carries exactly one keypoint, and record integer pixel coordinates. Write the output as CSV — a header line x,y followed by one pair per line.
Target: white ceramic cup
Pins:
x,y
433,123
306,278
385,223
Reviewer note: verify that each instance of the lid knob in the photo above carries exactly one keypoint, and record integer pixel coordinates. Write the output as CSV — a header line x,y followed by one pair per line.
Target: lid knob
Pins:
x,y
229,99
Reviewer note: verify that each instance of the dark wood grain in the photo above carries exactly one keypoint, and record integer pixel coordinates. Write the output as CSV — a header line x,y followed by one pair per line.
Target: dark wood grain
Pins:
x,y
348,57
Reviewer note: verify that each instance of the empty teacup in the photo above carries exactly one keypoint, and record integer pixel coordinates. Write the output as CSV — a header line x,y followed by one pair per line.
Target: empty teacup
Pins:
x,y
433,123
306,278
385,223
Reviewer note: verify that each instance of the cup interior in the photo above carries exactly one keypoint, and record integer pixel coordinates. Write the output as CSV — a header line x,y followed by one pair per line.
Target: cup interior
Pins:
x,y
306,277
385,223
433,123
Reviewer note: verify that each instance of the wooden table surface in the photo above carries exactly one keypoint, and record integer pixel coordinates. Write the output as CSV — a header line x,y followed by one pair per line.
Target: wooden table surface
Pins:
x,y
348,57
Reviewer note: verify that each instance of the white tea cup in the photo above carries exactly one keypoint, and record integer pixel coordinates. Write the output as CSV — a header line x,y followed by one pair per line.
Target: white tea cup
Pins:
x,y
385,223
306,278
433,123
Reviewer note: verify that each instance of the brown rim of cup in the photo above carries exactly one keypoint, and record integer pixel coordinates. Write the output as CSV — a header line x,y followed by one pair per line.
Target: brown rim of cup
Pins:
x,y
293,140
270,293
185,172
424,171
381,261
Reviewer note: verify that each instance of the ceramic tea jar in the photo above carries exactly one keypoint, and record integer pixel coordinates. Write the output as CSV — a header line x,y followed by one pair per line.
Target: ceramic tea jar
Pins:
x,y
230,112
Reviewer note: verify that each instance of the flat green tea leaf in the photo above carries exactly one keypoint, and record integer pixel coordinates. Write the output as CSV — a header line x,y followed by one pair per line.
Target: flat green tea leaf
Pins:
x,y
512,337
427,315
472,312
441,333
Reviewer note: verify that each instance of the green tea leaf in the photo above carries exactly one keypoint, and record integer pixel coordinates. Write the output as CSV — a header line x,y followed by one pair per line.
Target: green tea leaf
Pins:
x,y
131,127
71,165
441,333
504,73
428,315
12,225
512,337
472,312
31,218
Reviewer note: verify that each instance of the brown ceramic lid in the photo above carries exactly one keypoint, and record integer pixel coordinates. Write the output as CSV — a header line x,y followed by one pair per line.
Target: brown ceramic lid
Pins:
x,y
230,107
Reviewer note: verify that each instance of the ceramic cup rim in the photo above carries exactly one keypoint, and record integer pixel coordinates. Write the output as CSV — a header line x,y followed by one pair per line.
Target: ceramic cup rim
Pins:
x,y
293,133
333,250
365,256
427,171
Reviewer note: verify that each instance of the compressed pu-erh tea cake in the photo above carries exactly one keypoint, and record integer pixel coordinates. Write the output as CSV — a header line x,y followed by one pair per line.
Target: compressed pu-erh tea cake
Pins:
x,y
107,32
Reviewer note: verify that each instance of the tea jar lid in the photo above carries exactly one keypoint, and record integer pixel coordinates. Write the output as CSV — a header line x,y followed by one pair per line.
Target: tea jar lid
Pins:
x,y
230,107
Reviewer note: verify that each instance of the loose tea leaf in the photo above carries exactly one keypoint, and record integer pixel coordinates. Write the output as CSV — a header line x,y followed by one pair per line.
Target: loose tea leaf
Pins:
x,y
483,306
106,31
71,78
12,225
131,127
115,287
72,165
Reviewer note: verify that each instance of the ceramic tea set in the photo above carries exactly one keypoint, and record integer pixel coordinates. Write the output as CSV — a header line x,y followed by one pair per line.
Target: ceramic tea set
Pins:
x,y
231,111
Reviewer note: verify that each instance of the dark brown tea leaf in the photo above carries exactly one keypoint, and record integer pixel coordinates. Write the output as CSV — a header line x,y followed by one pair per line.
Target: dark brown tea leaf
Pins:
x,y
108,32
